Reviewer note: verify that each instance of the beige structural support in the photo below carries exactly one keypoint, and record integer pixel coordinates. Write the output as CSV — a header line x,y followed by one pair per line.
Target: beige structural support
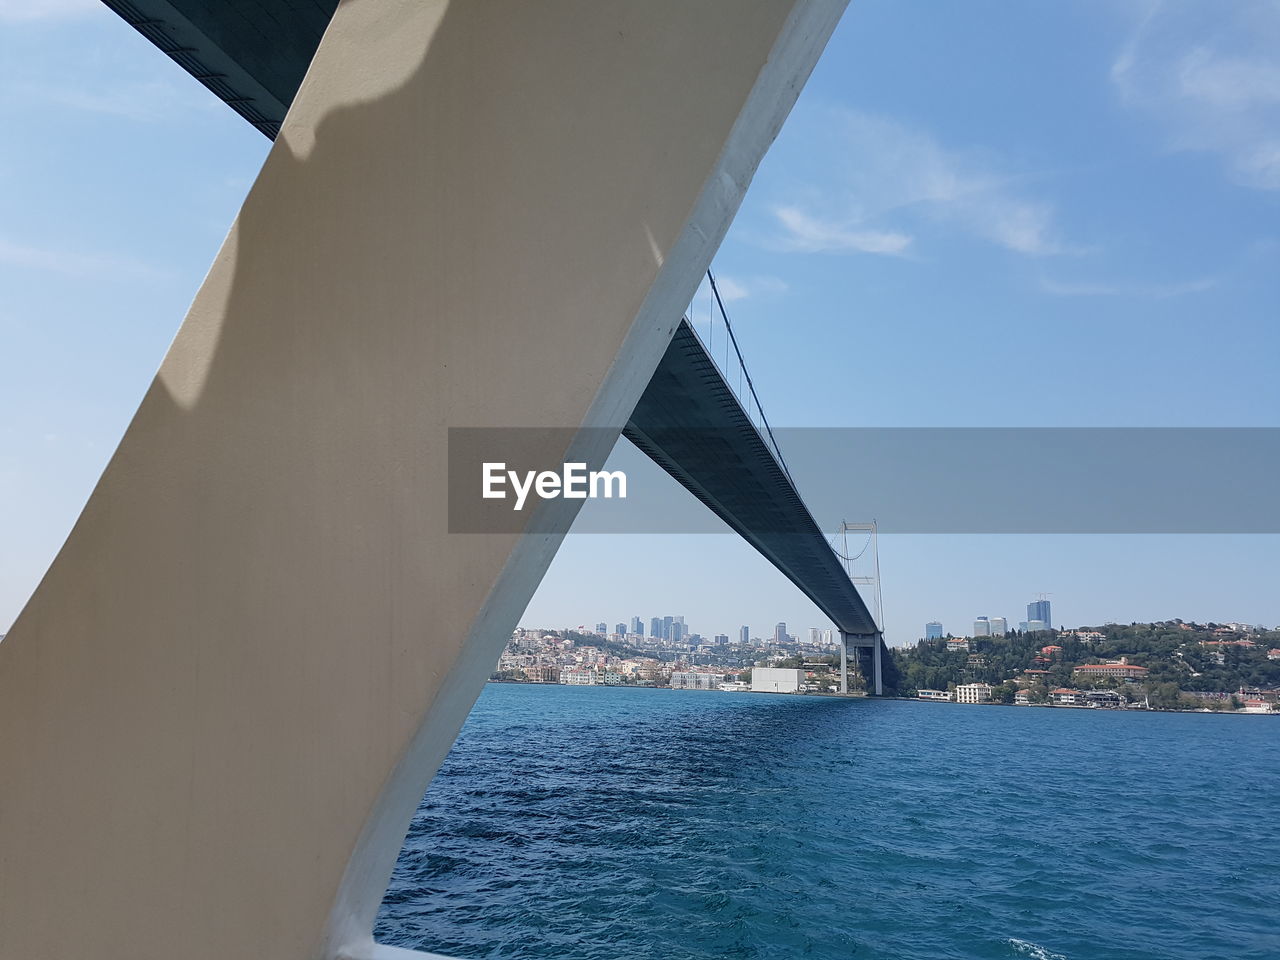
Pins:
x,y
221,706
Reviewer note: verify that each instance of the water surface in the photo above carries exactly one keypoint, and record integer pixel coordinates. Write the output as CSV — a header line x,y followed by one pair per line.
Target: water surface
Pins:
x,y
604,823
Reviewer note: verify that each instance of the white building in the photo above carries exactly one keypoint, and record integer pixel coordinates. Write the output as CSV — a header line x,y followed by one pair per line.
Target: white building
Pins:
x,y
973,693
982,627
999,626
933,695
776,680
695,680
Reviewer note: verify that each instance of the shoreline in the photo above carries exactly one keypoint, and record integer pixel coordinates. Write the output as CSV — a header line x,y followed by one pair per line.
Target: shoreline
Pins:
x,y
863,696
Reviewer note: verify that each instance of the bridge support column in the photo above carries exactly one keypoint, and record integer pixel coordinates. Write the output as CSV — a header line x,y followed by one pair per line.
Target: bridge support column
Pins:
x,y
221,707
844,662
876,670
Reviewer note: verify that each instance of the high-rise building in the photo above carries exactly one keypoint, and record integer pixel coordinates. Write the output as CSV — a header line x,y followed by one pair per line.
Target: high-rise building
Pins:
x,y
677,630
981,627
602,628
1039,610
637,626
744,634
655,628
933,630
620,629
666,628
1035,626
721,639
999,626
780,633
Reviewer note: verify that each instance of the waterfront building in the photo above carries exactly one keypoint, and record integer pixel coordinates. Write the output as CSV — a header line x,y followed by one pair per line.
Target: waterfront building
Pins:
x,y
1023,697
1066,697
999,626
933,630
982,627
933,695
1117,671
744,634
1104,698
776,679
579,676
973,693
695,680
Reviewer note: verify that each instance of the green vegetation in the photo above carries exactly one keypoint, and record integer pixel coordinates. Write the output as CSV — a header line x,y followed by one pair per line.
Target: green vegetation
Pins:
x,y
1181,659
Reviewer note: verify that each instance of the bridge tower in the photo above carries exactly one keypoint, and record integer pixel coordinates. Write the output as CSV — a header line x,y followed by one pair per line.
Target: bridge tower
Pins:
x,y
863,569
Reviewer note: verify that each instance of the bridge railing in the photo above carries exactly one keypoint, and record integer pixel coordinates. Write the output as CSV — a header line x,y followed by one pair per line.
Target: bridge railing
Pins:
x,y
710,321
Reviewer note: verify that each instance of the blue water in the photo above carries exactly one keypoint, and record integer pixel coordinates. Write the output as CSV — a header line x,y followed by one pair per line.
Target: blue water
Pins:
x,y
597,822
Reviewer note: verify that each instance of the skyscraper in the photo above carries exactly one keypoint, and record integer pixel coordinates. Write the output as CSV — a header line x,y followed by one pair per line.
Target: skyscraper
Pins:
x,y
620,629
677,630
637,626
780,633
1039,610
744,634
655,627
721,639
666,628
602,627
981,627
999,626
933,630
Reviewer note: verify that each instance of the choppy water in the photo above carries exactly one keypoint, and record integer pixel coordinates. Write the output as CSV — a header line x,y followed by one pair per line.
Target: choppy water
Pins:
x,y
607,823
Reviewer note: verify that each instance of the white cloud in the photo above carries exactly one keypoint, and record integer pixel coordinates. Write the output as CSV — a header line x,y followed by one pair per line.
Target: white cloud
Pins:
x,y
73,264
1209,75
732,289
1145,291
808,234
29,10
897,180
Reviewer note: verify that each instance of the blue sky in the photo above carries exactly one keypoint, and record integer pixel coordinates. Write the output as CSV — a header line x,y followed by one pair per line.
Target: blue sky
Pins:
x,y
980,214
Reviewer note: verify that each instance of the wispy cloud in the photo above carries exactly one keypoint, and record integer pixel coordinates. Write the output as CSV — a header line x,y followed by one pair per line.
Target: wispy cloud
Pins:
x,y
75,264
733,289
1144,291
809,234
15,11
1209,74
898,181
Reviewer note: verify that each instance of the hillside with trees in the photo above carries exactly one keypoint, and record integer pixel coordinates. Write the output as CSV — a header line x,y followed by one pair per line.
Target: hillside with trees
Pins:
x,y
1188,664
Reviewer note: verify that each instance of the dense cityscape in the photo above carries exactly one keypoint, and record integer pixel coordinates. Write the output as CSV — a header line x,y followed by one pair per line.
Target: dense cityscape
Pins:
x,y
1167,665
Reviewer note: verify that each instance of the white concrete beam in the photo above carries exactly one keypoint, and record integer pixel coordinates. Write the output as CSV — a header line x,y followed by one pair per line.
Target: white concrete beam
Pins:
x,y
221,706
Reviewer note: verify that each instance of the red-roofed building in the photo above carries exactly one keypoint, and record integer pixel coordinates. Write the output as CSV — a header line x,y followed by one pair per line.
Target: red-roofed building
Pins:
x,y
1052,650
1118,671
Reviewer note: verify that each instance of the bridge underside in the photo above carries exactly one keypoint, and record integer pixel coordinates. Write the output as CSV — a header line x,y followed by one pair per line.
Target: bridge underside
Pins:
x,y
690,422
